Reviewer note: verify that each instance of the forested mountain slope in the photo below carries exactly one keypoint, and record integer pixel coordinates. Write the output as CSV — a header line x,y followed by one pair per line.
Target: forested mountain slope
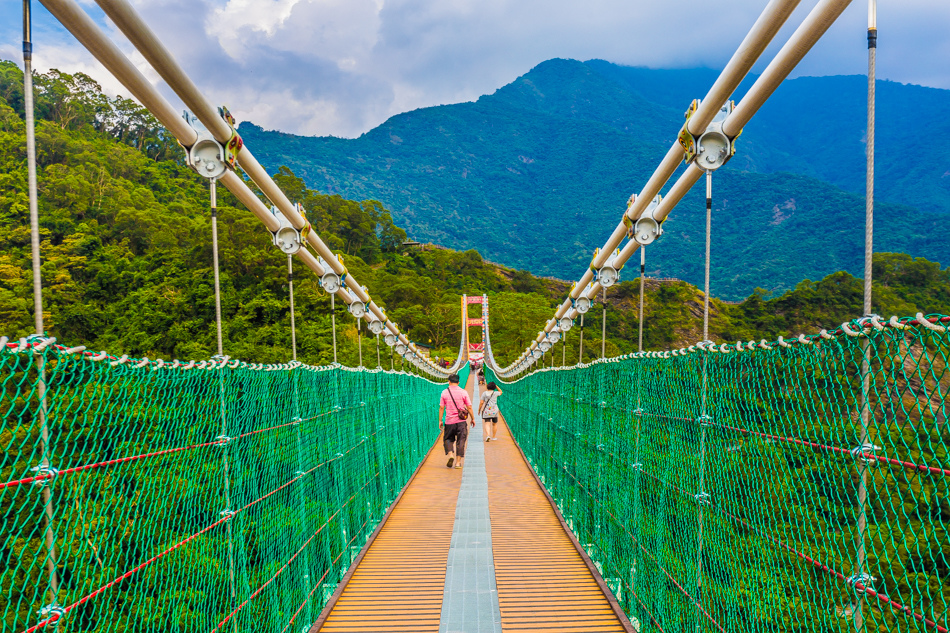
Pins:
x,y
536,175
127,259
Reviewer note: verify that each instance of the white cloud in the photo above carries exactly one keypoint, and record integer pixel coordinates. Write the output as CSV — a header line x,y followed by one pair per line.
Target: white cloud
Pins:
x,y
343,66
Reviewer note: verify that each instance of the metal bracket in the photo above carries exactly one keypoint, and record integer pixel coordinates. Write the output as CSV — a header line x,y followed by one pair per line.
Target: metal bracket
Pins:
x,y
711,149
47,473
702,498
287,238
647,227
865,453
608,274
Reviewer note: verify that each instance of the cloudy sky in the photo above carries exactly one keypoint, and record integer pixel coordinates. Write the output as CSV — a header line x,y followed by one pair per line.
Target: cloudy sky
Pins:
x,y
341,67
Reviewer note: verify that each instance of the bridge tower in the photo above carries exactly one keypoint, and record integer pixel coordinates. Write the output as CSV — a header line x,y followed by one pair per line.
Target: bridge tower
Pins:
x,y
475,351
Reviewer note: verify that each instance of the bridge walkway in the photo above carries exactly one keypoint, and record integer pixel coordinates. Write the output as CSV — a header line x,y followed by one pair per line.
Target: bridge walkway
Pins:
x,y
439,563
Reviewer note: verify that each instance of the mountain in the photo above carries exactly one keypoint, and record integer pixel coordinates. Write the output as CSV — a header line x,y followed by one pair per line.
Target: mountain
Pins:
x,y
126,259
537,174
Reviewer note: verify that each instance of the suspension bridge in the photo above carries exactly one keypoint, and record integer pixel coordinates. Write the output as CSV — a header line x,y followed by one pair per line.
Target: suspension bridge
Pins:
x,y
799,484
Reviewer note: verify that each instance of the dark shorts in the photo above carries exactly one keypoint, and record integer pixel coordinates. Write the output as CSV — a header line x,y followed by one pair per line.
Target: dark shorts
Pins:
x,y
455,437
492,420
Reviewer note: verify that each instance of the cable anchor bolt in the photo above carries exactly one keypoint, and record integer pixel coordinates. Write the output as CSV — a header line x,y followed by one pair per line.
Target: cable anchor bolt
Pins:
x,y
865,580
44,475
51,613
865,454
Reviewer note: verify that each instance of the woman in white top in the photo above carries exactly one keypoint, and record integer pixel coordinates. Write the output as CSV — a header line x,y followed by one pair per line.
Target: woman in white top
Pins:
x,y
488,409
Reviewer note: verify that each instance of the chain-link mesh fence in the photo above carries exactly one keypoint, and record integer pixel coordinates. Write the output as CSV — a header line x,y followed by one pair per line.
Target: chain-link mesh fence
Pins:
x,y
792,486
151,496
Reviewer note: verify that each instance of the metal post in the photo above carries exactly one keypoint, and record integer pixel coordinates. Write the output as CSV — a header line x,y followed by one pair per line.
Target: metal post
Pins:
x,y
40,359
293,323
701,492
301,497
708,241
333,323
863,464
580,358
603,332
643,266
214,254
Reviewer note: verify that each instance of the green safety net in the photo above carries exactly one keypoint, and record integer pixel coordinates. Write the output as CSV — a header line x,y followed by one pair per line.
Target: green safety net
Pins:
x,y
147,496
728,490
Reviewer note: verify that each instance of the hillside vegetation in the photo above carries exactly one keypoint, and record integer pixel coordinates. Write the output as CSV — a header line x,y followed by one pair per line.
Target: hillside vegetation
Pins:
x,y
537,174
127,259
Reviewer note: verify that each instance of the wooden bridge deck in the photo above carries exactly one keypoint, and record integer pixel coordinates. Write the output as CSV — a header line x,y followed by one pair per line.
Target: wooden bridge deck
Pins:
x,y
545,583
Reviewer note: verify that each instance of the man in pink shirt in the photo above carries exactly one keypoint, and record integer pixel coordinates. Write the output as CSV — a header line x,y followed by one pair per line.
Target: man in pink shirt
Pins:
x,y
456,406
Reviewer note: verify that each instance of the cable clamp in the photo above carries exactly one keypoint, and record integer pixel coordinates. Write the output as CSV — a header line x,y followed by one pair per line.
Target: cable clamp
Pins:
x,y
637,466
702,498
226,514
865,453
865,580
44,475
704,420
51,613
223,440
638,411
298,474
600,447
296,421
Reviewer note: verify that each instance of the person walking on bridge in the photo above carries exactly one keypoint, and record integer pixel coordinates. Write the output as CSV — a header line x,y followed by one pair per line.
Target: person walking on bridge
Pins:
x,y
456,406
488,409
